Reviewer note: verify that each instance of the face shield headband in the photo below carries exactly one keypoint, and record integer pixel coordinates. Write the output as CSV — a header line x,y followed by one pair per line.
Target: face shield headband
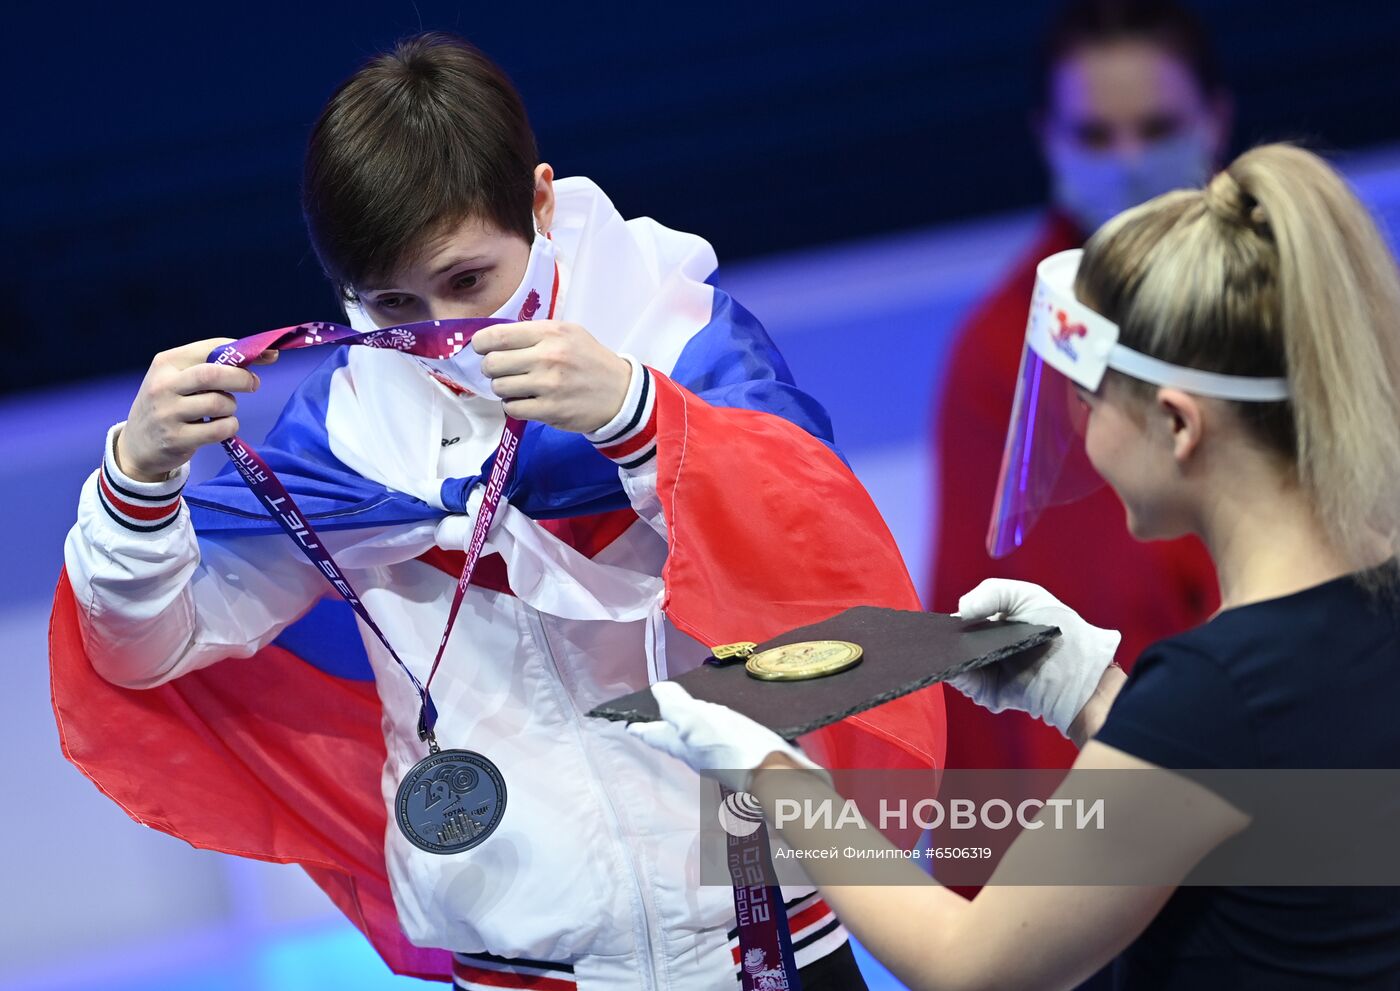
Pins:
x,y
1068,347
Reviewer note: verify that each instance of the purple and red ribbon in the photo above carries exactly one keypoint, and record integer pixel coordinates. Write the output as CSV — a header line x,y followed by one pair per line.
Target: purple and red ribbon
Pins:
x,y
429,339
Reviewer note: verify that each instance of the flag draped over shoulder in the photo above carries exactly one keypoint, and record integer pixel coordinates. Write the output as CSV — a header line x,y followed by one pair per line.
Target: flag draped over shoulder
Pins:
x,y
728,480
278,757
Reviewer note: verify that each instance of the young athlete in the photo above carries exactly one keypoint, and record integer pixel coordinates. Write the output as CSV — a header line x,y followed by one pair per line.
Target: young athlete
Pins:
x,y
1238,355
195,683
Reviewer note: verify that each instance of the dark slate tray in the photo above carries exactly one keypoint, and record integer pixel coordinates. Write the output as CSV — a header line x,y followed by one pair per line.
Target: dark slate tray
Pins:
x,y
904,651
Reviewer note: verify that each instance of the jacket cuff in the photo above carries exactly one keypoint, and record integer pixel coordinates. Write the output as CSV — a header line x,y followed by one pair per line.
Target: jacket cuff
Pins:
x,y
629,439
144,507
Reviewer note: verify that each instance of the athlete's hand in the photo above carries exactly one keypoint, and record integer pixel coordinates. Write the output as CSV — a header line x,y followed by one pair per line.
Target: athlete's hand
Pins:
x,y
181,390
554,372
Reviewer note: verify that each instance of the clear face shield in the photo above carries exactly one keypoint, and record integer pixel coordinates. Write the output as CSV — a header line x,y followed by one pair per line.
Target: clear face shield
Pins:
x,y
1069,347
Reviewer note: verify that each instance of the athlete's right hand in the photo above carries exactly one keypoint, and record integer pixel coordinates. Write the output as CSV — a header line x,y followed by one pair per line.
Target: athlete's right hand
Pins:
x,y
167,422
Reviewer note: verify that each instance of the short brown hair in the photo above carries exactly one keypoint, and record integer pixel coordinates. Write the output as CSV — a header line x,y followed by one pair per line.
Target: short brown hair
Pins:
x,y
417,140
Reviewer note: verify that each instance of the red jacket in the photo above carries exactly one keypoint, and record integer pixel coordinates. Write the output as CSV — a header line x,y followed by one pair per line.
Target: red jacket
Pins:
x,y
1082,552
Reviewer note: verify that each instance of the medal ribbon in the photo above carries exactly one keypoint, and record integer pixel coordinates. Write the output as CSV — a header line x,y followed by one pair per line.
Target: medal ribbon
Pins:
x,y
430,339
766,961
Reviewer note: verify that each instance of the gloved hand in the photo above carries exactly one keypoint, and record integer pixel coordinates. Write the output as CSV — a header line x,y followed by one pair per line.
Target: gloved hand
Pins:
x,y
713,739
1051,683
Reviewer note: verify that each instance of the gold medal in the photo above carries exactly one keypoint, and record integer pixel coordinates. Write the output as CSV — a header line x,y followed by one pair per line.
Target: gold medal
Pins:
x,y
800,661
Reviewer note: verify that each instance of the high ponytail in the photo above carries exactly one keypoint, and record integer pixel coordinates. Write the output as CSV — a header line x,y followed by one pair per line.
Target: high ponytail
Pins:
x,y
1275,269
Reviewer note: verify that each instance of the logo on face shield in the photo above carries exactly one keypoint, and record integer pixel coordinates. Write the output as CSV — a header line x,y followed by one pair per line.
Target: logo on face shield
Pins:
x,y
1064,333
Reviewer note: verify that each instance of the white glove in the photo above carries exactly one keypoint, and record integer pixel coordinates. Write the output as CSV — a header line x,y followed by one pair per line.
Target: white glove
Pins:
x,y
1051,684
713,739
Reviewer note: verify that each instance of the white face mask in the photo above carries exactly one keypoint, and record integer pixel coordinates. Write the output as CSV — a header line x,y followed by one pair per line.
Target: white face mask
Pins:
x,y
1095,186
538,279
532,299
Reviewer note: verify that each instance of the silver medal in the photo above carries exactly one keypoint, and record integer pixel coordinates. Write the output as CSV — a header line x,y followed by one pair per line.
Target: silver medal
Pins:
x,y
450,801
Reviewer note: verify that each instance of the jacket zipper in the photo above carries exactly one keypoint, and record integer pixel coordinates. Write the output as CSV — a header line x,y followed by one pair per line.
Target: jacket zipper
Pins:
x,y
645,943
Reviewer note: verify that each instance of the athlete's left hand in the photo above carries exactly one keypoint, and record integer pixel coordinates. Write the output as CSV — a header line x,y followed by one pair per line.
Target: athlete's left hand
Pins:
x,y
713,739
554,372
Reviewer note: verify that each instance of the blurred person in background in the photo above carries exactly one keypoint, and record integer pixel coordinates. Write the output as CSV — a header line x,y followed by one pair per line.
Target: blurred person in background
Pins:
x,y
1132,105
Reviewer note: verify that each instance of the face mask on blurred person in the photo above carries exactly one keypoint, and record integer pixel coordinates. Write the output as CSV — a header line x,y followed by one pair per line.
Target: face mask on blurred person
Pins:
x,y
1094,185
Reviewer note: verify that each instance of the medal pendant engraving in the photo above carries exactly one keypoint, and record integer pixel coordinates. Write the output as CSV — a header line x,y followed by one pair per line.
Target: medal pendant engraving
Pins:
x,y
801,661
450,801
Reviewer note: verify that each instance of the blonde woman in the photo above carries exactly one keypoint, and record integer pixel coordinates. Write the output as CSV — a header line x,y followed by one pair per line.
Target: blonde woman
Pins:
x,y
1246,391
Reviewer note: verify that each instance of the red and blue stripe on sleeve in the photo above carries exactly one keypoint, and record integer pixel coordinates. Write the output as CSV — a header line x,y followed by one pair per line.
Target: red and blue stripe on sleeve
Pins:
x,y
629,439
145,507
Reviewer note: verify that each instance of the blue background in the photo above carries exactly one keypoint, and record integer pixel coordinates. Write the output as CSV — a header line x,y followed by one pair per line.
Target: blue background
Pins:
x,y
864,171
